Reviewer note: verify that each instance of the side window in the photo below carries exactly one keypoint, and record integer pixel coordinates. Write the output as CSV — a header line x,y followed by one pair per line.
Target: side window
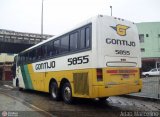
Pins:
x,y
85,37
64,44
73,41
26,58
39,53
56,47
82,38
19,60
88,34
44,51
32,55
49,48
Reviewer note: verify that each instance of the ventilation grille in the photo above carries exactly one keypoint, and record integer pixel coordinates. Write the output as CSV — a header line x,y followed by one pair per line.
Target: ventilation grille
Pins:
x,y
81,83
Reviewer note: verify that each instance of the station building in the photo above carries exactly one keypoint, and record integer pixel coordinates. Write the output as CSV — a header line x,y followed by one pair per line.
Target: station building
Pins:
x,y
149,36
11,43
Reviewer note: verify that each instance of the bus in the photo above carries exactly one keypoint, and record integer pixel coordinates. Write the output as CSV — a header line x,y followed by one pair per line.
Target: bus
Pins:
x,y
98,58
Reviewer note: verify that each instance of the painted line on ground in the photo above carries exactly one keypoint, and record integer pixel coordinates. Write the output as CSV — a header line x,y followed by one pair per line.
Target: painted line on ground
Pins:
x,y
8,86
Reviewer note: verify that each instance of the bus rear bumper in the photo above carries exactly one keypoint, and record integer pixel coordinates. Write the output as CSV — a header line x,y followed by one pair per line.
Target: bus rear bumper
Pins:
x,y
102,91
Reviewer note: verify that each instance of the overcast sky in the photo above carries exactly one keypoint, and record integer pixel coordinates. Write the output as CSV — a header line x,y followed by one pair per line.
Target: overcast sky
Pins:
x,y
60,15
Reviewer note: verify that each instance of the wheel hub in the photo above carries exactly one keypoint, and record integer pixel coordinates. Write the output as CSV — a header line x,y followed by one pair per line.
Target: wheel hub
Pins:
x,y
67,93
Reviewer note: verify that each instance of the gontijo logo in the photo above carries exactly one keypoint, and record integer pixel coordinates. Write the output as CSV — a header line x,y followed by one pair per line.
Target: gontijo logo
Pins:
x,y
120,29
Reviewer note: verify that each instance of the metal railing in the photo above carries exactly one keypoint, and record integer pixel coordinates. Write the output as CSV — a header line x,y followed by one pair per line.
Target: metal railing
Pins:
x,y
21,37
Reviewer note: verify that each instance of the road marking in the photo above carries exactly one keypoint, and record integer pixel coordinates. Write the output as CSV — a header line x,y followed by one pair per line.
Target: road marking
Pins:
x,y
8,86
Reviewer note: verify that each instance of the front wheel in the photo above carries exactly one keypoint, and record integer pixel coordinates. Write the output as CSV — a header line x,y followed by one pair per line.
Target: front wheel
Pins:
x,y
67,93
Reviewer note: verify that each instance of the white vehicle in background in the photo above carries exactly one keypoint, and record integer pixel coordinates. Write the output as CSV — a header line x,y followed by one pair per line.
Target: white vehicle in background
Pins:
x,y
152,72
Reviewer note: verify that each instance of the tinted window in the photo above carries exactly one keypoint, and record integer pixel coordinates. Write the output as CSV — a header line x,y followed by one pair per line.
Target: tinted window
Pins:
x,y
73,41
19,60
65,44
39,53
56,47
87,41
44,51
82,38
85,37
79,39
30,56
49,48
26,57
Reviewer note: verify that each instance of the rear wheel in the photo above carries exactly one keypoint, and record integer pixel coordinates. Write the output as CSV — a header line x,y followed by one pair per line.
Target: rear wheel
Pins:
x,y
67,93
54,91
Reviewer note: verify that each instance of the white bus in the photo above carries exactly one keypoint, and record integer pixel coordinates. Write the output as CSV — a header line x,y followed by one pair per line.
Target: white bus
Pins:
x,y
96,59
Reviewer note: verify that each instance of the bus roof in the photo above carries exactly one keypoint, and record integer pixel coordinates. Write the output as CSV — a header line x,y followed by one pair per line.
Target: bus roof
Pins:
x,y
90,20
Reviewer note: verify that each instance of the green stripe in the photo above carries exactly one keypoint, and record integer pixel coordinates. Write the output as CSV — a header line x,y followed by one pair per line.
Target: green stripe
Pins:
x,y
26,77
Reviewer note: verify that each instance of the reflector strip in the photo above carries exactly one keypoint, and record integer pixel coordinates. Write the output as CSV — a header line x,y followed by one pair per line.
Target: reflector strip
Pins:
x,y
112,71
121,71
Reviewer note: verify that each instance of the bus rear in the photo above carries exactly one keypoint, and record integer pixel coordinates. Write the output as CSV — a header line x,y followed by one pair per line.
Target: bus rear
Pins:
x,y
118,57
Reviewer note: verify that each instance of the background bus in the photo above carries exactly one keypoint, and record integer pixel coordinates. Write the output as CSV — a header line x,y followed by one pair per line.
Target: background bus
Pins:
x,y
96,59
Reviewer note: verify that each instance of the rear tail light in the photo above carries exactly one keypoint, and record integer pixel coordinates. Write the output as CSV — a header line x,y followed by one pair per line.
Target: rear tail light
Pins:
x,y
99,75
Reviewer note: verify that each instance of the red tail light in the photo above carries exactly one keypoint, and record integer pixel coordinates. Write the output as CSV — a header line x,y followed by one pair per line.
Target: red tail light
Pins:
x,y
99,75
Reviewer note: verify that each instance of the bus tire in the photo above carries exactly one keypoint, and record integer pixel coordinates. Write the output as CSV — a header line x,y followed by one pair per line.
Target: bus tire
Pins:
x,y
67,93
147,75
20,89
54,91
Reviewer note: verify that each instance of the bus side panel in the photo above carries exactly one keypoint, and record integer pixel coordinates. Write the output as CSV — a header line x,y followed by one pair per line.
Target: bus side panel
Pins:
x,y
80,81
37,79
